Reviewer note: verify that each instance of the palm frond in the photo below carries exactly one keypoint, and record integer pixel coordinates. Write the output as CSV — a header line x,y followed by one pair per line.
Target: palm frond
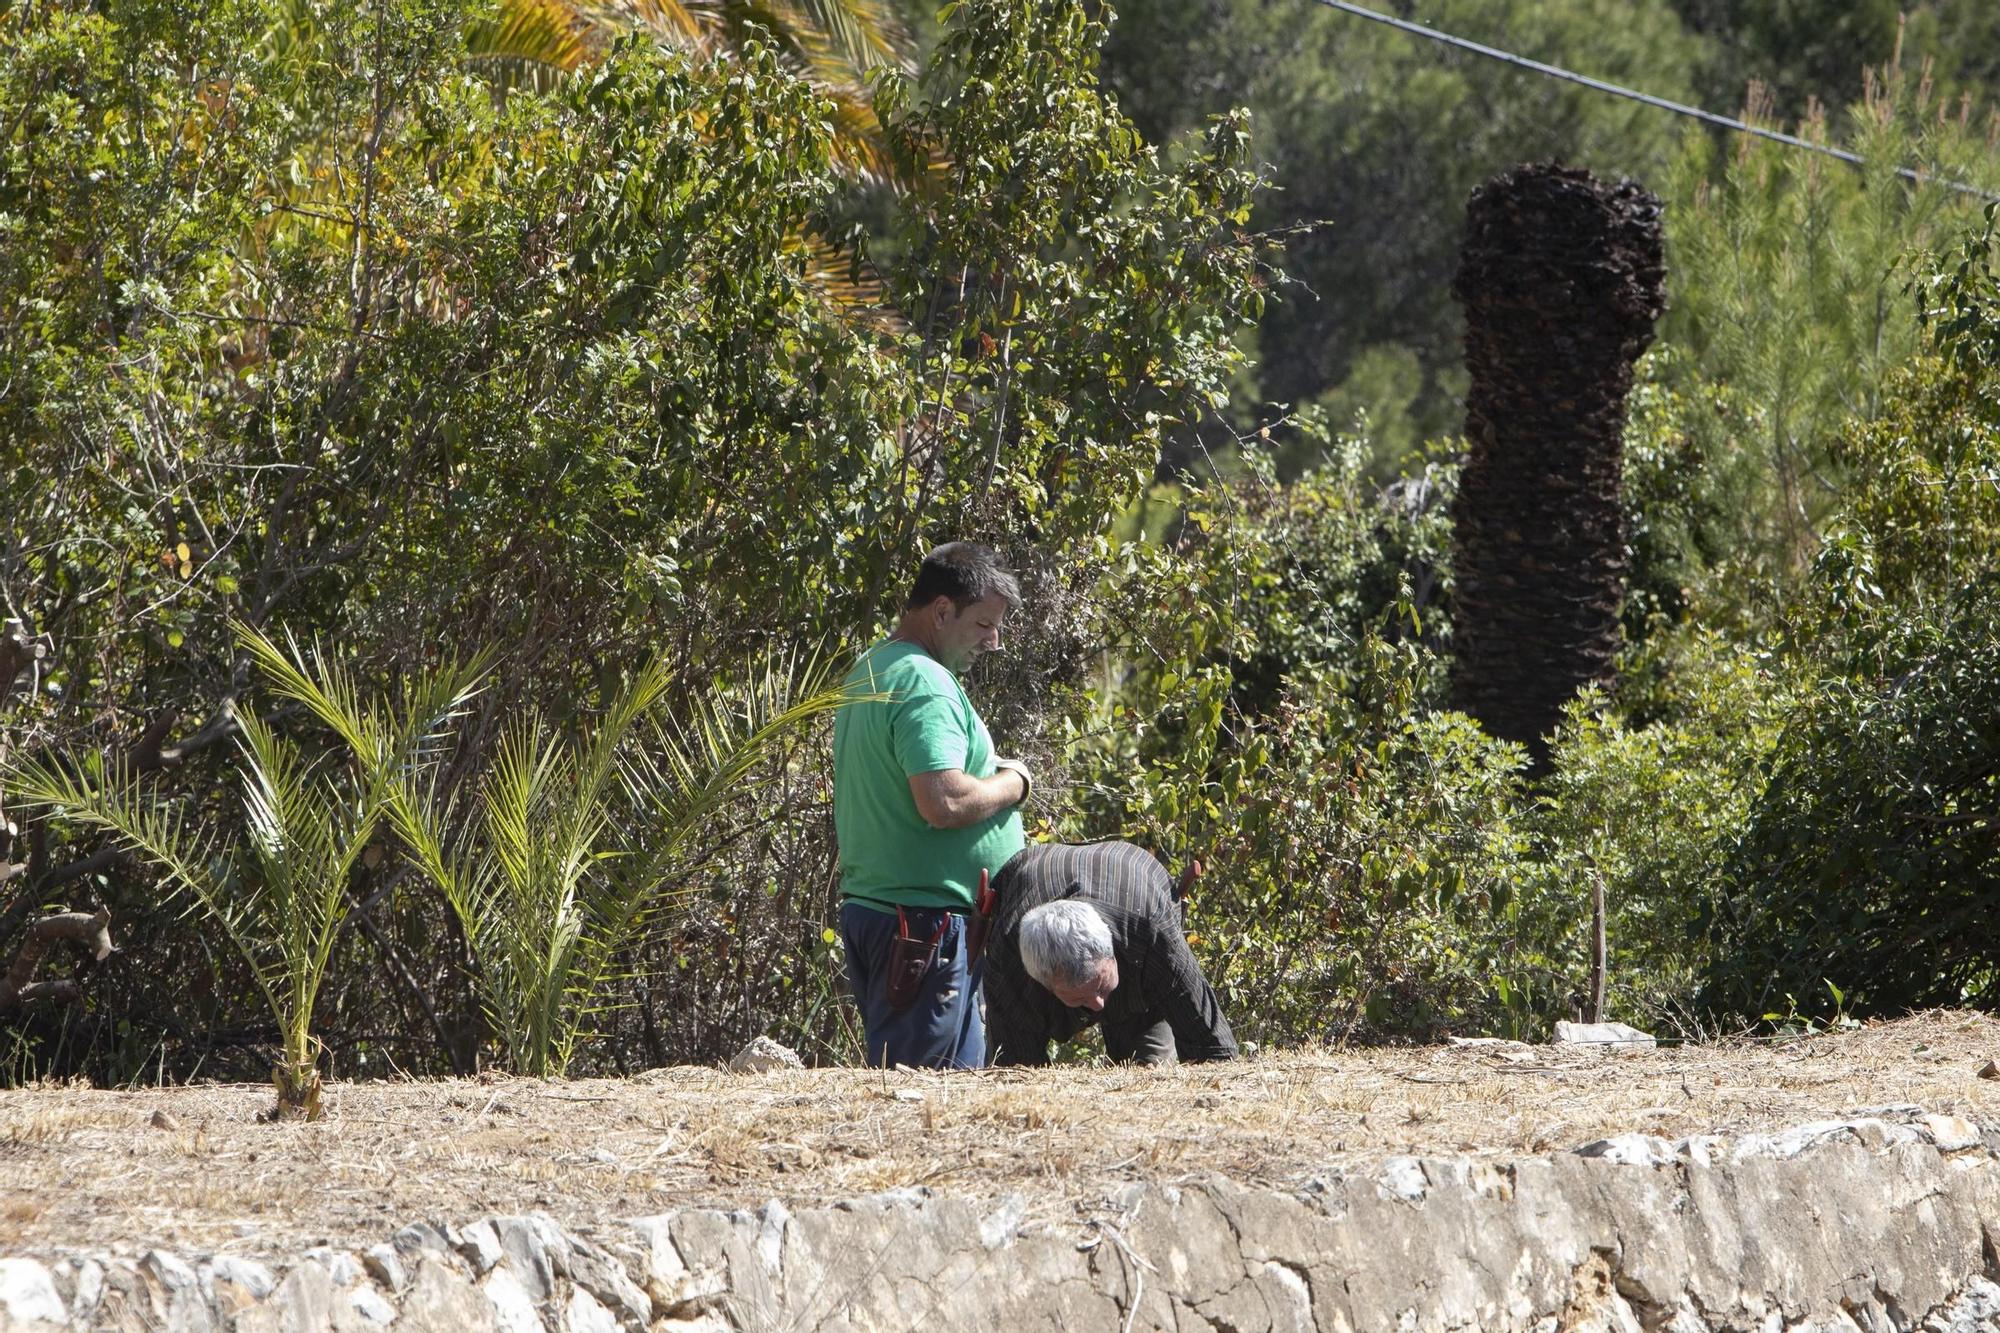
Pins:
x,y
511,799
533,43
867,33
600,761
857,145
852,289
105,796
305,831
695,27
838,41
392,746
330,694
697,762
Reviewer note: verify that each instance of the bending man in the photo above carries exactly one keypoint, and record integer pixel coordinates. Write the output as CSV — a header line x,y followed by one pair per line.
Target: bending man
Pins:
x,y
921,807
1092,933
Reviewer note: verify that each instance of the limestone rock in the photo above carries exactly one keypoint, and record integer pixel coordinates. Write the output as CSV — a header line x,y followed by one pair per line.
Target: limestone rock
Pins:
x,y
605,1278
443,1300
28,1296
385,1265
1975,1309
239,1283
302,1300
365,1308
763,1055
420,1236
584,1314
1874,1223
513,1308
1003,1223
183,1305
480,1244
1952,1133
82,1280
534,1250
1604,1036
342,1268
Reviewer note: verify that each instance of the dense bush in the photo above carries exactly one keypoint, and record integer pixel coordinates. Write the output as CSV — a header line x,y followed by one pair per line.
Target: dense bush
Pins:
x,y
1652,811
1873,861
1375,865
325,329
311,327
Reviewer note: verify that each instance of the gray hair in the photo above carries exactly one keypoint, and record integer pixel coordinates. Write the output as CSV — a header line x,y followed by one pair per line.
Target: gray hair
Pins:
x,y
1063,942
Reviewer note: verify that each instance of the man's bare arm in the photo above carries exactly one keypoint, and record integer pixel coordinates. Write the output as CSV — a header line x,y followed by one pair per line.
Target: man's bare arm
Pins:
x,y
953,798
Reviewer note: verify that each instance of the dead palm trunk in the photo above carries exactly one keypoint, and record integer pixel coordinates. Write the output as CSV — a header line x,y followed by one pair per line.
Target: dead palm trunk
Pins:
x,y
1562,278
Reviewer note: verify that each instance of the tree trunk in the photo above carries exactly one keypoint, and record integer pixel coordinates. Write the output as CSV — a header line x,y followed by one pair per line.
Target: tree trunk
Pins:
x,y
1562,278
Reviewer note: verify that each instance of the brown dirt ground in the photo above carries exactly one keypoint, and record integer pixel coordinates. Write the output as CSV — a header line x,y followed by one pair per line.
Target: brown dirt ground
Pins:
x,y
88,1169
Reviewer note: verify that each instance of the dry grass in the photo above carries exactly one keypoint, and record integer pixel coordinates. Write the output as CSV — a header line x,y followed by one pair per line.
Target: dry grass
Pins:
x,y
87,1169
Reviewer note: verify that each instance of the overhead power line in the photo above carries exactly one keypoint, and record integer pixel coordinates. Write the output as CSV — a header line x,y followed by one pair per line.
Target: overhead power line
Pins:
x,y
1633,94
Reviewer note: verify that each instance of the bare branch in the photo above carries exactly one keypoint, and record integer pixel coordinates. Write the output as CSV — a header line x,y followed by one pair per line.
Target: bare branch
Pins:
x,y
39,992
394,958
18,987
146,750
102,859
218,729
18,651
150,753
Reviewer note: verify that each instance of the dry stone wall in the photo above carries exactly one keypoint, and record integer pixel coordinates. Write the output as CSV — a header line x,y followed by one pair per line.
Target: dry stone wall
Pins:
x,y
1885,1221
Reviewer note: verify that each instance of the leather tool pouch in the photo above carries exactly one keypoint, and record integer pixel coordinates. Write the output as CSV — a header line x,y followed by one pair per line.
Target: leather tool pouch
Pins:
x,y
980,922
909,959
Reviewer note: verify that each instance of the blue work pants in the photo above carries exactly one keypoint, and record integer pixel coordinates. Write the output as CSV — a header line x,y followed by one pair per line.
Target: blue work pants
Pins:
x,y
943,1027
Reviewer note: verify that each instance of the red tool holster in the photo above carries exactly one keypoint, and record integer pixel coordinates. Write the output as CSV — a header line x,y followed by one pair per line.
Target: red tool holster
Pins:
x,y
1185,886
979,921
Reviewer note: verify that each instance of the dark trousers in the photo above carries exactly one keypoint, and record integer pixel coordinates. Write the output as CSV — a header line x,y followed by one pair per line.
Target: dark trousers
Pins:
x,y
1142,1043
942,1028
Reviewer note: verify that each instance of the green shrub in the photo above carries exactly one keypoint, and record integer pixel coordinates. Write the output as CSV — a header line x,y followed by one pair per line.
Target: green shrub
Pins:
x,y
1872,861
1363,880
1653,812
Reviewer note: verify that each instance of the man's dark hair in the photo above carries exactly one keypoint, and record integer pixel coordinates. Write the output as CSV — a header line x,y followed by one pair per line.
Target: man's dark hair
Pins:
x,y
966,572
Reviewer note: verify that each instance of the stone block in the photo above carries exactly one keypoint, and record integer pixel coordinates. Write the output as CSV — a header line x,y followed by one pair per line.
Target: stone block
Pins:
x,y
385,1264
441,1299
28,1296
513,1307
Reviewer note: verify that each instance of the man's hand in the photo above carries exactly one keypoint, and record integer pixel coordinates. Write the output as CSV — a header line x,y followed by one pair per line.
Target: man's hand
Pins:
x,y
952,798
1016,766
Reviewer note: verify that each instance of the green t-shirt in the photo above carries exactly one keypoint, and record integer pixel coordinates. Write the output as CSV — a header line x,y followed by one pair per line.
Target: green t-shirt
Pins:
x,y
888,855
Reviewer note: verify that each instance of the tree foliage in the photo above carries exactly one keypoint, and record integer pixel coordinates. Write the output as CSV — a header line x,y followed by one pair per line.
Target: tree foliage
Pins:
x,y
314,330
1375,139
1792,299
1873,858
329,322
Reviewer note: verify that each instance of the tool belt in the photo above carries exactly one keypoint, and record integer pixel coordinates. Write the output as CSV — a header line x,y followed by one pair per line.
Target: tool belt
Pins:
x,y
910,958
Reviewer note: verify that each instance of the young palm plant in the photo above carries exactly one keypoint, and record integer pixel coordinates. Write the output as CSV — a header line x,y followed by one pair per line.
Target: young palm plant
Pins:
x,y
562,857
279,893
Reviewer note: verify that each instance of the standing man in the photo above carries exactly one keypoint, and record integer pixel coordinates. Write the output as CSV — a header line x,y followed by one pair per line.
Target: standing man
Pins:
x,y
1092,933
921,806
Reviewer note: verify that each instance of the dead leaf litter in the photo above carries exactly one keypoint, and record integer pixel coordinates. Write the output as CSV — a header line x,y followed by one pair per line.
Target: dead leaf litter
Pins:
x,y
191,1168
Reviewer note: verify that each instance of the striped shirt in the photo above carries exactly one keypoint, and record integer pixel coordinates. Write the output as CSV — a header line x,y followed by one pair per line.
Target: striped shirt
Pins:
x,y
1158,978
